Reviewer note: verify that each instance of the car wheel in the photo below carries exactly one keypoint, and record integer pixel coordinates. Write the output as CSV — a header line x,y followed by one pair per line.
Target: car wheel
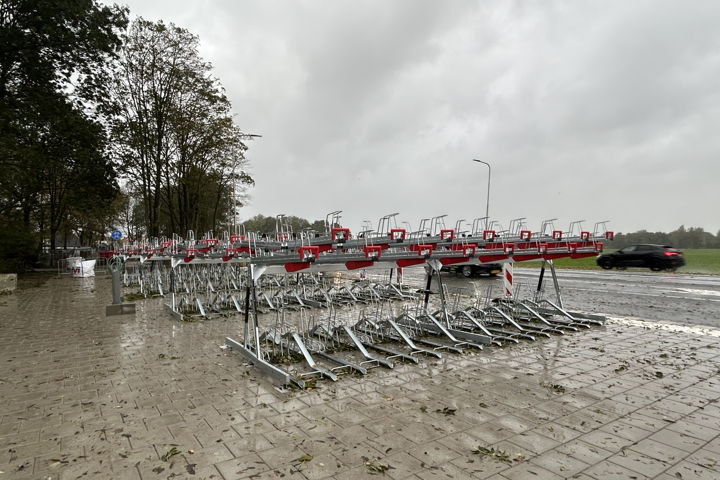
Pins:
x,y
606,263
658,266
466,271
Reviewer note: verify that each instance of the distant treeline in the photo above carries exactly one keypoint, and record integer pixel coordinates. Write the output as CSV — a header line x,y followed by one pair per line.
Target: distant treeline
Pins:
x,y
693,237
291,223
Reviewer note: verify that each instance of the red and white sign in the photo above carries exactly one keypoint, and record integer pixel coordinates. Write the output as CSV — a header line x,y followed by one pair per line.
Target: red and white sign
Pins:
x,y
508,279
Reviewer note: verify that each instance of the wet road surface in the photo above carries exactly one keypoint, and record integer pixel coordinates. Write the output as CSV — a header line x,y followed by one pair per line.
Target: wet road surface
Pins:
x,y
669,297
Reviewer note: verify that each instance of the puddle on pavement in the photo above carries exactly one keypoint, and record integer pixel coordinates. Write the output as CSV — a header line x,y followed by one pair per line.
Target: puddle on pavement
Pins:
x,y
694,291
34,279
638,322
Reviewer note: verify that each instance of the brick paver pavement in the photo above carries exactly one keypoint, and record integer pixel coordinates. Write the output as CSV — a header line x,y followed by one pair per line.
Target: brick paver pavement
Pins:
x,y
85,396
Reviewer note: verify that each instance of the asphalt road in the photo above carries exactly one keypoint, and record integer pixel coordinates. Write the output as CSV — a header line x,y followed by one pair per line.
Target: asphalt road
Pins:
x,y
667,297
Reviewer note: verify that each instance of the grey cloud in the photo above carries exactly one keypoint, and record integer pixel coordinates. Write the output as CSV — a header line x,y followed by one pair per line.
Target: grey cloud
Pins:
x,y
585,109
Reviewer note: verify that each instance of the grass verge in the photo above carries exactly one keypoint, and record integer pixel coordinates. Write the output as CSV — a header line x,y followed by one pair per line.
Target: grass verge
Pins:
x,y
697,260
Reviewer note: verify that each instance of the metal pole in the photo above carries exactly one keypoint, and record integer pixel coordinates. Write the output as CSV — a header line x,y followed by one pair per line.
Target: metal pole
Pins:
x,y
115,264
116,289
487,201
542,274
427,287
555,283
246,338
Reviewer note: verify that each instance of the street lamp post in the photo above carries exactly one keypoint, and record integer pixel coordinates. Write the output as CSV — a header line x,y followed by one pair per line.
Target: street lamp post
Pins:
x,y
487,202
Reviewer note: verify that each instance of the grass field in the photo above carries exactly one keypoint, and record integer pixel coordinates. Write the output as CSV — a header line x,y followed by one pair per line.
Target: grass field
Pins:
x,y
699,260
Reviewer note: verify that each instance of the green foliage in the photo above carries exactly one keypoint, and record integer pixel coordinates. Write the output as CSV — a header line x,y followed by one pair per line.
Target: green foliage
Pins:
x,y
169,454
18,247
498,454
693,237
175,138
377,468
76,180
270,225
48,47
54,59
318,226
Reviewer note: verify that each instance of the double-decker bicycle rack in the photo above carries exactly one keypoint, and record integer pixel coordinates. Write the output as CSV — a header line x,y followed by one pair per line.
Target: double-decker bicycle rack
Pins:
x,y
297,277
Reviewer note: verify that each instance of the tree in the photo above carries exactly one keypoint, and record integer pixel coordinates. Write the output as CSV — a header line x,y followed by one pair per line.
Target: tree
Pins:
x,y
677,237
177,143
54,59
130,216
272,225
319,226
76,181
260,224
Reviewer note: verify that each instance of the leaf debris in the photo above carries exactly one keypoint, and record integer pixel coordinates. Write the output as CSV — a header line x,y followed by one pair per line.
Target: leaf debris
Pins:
x,y
169,454
446,411
375,468
498,454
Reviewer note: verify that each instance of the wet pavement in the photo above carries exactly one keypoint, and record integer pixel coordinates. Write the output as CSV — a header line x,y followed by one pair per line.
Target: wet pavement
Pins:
x,y
147,397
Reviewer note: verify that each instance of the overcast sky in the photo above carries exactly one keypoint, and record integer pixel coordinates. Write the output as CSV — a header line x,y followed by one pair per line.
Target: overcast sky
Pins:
x,y
603,110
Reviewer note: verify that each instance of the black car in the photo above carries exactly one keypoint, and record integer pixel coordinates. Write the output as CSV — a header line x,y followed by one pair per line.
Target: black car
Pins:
x,y
467,270
654,257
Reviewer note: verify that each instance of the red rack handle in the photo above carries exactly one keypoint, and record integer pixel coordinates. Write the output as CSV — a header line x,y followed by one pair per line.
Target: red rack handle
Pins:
x,y
424,250
447,234
397,234
308,252
338,234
